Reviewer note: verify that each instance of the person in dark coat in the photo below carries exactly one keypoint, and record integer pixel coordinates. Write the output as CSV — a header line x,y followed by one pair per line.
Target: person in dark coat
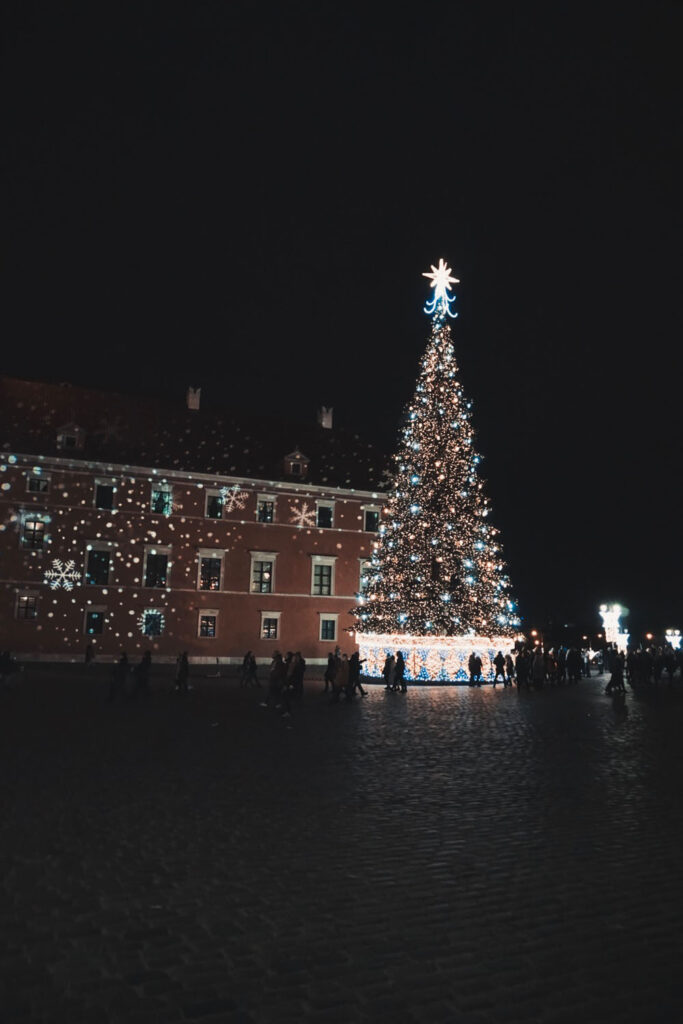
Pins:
x,y
499,667
573,665
355,663
400,673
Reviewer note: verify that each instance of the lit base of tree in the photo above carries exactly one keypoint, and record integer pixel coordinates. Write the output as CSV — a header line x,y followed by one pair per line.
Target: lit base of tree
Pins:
x,y
438,659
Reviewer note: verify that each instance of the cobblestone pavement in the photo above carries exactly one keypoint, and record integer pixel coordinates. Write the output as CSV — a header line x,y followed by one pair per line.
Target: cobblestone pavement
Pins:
x,y
448,855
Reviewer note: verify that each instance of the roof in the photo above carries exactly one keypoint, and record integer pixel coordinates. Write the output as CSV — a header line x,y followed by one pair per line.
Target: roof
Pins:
x,y
164,434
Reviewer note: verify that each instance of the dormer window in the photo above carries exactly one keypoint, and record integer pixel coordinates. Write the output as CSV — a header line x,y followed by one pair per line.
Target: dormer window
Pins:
x,y
296,464
71,437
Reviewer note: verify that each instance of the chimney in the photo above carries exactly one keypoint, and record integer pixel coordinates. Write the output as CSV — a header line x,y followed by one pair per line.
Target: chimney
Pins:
x,y
325,417
193,396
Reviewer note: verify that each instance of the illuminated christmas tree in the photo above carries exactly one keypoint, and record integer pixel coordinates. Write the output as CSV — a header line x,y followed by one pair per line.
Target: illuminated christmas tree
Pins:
x,y
436,586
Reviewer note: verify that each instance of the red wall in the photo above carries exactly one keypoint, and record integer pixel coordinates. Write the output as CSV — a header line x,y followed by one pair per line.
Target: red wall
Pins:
x,y
59,626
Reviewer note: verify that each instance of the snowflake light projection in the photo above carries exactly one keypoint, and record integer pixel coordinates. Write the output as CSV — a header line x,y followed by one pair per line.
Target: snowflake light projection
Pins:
x,y
62,574
233,498
302,515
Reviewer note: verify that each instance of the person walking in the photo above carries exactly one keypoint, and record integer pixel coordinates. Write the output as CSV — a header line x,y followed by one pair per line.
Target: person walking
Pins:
x,y
355,663
400,673
538,669
499,668
509,670
277,692
389,672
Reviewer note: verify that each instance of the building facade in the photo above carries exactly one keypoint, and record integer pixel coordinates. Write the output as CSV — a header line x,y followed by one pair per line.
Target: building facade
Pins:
x,y
129,556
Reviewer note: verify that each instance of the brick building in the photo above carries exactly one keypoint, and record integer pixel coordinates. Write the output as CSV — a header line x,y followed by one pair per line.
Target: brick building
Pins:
x,y
135,524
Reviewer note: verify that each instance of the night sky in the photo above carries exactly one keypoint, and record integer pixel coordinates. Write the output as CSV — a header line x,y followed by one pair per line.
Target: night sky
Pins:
x,y
245,199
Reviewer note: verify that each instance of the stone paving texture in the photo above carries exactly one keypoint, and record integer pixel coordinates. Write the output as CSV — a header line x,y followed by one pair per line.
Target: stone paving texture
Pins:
x,y
448,855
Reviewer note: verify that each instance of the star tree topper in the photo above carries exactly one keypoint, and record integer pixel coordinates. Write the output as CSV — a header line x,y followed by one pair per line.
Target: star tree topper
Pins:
x,y
441,283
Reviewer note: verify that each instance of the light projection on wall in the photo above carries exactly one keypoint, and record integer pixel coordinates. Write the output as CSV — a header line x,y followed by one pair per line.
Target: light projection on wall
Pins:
x,y
302,515
62,575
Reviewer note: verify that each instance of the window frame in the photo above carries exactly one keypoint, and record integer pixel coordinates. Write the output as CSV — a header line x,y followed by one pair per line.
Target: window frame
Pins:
x,y
94,609
207,613
104,483
156,549
45,478
26,595
210,493
163,487
218,553
97,545
371,508
43,535
324,504
327,561
266,498
277,616
328,617
262,556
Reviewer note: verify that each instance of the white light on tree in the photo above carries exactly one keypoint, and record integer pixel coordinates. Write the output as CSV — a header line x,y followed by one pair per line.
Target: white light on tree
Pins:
x,y
673,637
610,615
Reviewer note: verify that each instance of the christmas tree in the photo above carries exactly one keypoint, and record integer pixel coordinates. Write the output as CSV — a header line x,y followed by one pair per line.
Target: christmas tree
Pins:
x,y
437,571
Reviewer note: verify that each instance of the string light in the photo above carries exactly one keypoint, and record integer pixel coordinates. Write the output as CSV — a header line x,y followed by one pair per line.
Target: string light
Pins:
x,y
461,591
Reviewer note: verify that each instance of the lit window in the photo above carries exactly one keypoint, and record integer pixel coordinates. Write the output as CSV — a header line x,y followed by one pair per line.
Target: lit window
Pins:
x,y
270,625
27,606
210,572
162,499
261,577
207,625
265,510
33,533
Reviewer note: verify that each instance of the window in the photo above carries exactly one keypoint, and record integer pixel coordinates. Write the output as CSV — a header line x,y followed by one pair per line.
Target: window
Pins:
x,y
210,571
162,499
214,505
37,483
322,575
97,567
94,623
371,518
295,468
270,625
27,606
207,624
104,495
261,577
156,566
328,627
152,622
262,572
324,514
365,569
265,508
33,533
